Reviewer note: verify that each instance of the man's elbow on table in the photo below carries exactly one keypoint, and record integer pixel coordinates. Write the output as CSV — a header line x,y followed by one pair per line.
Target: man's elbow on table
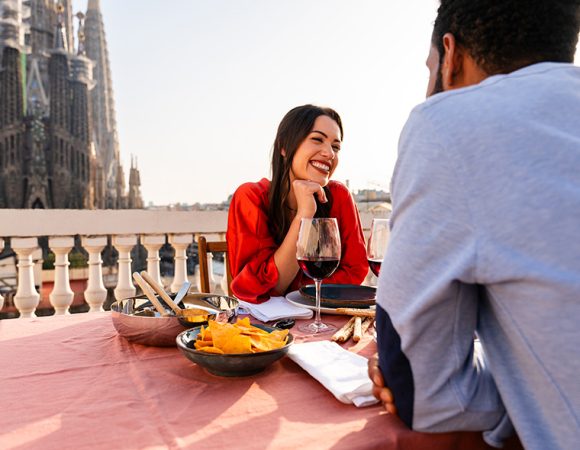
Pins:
x,y
430,402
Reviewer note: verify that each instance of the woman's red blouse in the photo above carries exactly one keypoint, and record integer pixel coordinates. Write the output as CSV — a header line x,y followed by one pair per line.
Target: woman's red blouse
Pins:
x,y
251,246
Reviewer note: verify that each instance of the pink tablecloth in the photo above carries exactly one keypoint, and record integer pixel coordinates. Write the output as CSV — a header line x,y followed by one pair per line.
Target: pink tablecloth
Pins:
x,y
72,382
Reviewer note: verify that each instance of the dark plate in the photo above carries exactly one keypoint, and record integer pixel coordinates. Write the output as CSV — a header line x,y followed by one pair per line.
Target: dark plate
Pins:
x,y
339,296
236,365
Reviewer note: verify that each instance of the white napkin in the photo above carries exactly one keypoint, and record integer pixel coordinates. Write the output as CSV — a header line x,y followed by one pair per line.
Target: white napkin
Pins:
x,y
276,308
341,372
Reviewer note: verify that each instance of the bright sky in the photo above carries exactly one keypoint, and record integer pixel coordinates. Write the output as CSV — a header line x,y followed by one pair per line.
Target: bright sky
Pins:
x,y
201,85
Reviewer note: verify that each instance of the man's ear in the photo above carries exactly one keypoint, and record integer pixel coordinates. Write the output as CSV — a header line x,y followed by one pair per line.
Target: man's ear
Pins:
x,y
452,62
459,69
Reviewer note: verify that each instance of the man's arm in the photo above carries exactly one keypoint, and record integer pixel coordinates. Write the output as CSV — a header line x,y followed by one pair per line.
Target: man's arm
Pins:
x,y
428,294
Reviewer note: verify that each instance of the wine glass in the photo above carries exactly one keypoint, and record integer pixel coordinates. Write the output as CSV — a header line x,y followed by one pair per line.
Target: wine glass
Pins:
x,y
377,245
376,249
318,255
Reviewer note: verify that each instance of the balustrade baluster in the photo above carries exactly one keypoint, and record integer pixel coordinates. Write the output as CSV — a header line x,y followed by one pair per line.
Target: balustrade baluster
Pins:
x,y
95,293
124,245
152,244
180,242
62,295
27,298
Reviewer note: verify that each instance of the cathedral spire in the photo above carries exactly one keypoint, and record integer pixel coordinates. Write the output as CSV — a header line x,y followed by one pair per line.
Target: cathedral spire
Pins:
x,y
68,22
60,38
81,33
94,5
102,98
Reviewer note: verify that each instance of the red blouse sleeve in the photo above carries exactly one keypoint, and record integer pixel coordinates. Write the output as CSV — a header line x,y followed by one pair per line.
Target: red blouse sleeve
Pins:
x,y
251,247
353,266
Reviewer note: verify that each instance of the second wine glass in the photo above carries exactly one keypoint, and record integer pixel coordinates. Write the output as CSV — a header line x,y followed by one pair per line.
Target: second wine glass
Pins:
x,y
377,245
318,253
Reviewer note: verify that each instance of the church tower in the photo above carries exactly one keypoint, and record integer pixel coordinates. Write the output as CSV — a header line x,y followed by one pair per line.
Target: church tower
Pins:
x,y
12,128
103,106
58,136
134,199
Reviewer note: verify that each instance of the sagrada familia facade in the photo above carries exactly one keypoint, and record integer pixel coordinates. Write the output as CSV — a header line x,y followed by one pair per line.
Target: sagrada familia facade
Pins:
x,y
58,135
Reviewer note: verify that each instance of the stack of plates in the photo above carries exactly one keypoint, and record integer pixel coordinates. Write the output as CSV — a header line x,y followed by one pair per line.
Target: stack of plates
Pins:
x,y
334,296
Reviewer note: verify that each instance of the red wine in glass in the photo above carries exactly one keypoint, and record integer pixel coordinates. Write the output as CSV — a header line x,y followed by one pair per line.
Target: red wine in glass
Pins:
x,y
318,254
318,268
377,244
375,265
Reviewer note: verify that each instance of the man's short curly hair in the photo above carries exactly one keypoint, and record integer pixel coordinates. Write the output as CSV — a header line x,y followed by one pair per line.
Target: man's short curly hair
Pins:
x,y
505,35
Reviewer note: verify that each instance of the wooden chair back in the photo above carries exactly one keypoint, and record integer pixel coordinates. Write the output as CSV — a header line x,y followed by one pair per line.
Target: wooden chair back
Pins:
x,y
203,248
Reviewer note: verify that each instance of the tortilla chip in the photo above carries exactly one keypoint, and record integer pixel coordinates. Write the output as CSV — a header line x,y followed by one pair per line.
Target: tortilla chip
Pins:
x,y
279,334
245,322
212,350
242,337
204,334
239,344
247,328
200,344
264,344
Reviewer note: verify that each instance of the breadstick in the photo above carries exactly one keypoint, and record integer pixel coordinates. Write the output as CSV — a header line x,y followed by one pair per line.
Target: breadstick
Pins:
x,y
366,323
345,332
356,312
357,329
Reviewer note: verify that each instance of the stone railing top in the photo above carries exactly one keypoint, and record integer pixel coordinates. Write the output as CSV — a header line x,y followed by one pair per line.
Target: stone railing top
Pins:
x,y
68,222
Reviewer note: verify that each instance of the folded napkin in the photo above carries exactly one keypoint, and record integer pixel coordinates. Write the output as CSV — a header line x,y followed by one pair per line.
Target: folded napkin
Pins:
x,y
276,308
341,372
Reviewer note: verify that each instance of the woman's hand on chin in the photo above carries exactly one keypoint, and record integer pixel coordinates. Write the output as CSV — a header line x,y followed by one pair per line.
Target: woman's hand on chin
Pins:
x,y
304,191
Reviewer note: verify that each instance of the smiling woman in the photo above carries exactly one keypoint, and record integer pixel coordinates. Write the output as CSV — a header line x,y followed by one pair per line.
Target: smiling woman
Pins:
x,y
264,217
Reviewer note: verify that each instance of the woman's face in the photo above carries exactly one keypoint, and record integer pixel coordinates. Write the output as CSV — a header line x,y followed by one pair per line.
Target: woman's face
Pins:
x,y
317,156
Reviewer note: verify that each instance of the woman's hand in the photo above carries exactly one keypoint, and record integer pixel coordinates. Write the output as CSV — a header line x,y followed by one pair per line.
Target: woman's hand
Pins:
x,y
285,257
380,391
304,192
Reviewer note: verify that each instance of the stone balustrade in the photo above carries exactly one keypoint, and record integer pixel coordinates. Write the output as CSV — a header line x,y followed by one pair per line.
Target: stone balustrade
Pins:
x,y
126,229
152,229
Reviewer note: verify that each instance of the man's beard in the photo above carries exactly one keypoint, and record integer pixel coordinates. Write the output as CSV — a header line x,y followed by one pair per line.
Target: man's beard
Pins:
x,y
438,83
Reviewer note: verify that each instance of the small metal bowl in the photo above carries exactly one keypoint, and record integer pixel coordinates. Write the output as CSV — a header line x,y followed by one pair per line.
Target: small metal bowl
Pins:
x,y
144,329
228,307
234,365
137,321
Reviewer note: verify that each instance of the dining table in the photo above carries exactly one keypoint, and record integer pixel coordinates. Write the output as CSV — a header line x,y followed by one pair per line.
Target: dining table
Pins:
x,y
71,382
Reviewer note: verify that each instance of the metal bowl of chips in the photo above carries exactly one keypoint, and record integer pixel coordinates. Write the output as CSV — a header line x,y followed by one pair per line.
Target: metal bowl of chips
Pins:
x,y
231,365
136,321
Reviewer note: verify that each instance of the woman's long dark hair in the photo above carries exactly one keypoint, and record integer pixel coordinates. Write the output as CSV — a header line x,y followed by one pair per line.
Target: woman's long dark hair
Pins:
x,y
294,128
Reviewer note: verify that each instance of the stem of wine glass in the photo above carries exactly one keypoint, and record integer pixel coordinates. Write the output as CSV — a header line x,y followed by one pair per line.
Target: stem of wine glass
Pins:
x,y
317,320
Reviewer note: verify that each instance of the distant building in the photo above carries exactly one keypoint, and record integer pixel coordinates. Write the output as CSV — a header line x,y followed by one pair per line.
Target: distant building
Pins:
x,y
371,195
58,136
374,201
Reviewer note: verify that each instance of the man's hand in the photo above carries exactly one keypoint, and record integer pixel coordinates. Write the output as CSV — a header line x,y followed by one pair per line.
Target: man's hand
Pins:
x,y
380,391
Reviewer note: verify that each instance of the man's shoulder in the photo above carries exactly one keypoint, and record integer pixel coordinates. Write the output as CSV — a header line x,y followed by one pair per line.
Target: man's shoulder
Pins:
x,y
495,92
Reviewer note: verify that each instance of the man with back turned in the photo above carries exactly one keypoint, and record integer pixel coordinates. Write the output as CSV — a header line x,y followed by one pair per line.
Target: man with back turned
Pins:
x,y
485,226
